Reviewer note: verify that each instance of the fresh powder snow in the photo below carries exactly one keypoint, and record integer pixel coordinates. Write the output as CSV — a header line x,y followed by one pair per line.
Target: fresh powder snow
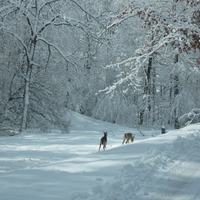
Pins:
x,y
56,166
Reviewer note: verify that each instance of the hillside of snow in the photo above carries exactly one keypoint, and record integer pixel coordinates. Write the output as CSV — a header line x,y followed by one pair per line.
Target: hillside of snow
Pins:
x,y
56,166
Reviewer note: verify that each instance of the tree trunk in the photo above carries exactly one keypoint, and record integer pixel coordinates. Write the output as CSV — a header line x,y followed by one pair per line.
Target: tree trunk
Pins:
x,y
26,99
147,92
176,93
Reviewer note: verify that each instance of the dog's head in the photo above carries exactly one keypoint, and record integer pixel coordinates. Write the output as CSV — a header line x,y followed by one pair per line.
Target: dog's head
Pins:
x,y
132,138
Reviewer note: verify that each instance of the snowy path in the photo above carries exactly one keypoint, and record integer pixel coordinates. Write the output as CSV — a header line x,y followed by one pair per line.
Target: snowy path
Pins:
x,y
189,183
185,185
68,167
181,182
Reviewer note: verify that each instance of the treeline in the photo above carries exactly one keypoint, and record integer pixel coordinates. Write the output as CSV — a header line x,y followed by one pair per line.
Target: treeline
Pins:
x,y
133,64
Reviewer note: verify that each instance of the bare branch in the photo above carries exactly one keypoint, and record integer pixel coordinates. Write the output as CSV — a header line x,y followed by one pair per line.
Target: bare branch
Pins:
x,y
47,24
87,12
115,23
57,49
20,40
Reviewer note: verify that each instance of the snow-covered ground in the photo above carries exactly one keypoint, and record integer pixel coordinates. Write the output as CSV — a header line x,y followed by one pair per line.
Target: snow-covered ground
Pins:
x,y
56,166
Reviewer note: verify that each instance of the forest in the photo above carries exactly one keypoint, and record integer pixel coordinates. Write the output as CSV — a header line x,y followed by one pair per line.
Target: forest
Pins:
x,y
134,63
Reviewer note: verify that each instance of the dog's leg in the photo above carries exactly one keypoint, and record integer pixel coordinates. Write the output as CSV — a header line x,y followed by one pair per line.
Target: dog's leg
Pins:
x,y
123,140
104,145
100,146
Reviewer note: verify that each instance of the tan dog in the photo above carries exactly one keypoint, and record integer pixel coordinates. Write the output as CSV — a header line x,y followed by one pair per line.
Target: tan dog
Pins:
x,y
127,137
103,141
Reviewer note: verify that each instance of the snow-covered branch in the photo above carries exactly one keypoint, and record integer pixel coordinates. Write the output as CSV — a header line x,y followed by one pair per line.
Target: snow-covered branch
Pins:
x,y
116,23
57,49
85,11
20,40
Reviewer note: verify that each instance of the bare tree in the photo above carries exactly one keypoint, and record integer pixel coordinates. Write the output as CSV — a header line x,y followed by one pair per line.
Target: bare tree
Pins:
x,y
35,27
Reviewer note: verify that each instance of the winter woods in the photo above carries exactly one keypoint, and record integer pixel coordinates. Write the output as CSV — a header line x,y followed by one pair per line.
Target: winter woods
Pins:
x,y
39,47
134,64
159,80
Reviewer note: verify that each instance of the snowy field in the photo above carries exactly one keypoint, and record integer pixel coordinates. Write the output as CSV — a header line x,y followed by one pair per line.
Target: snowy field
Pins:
x,y
54,166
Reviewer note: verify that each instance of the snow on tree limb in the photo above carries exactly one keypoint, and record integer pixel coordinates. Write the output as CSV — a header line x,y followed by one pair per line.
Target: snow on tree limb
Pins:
x,y
57,49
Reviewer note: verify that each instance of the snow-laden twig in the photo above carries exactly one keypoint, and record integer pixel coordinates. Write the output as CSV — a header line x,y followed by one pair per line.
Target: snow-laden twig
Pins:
x,y
95,18
115,23
57,49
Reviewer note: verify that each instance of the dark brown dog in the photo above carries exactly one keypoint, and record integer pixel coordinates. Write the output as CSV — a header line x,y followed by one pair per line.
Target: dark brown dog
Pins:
x,y
103,141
